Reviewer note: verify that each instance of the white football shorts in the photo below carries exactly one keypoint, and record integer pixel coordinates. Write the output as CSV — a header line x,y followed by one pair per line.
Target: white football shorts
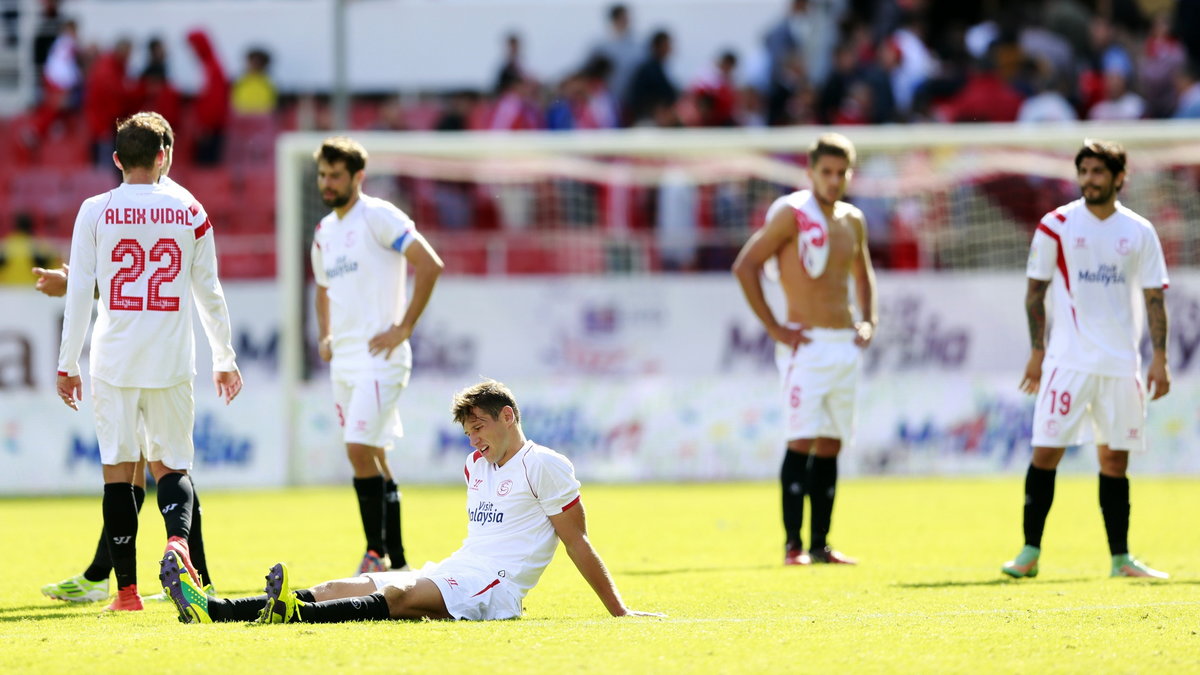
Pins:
x,y
472,590
820,381
1116,407
130,418
368,408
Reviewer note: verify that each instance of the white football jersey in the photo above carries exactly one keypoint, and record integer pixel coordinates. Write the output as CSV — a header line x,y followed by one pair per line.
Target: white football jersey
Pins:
x,y
1098,270
508,511
359,260
150,251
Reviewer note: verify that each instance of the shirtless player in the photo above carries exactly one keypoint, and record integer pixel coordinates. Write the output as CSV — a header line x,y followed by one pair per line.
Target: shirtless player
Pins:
x,y
820,243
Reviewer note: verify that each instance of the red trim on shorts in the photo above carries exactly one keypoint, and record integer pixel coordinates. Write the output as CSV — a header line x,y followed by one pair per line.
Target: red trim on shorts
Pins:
x,y
1048,383
573,503
487,588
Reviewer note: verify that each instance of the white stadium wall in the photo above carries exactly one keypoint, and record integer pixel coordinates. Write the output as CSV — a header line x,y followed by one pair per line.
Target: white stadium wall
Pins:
x,y
656,378
416,45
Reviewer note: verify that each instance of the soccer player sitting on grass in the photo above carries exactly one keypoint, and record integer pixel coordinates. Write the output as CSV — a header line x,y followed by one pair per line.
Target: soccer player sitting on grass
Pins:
x,y
520,498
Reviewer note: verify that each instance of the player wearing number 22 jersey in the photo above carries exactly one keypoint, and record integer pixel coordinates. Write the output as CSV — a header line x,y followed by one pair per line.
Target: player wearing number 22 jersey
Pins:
x,y
151,252
149,249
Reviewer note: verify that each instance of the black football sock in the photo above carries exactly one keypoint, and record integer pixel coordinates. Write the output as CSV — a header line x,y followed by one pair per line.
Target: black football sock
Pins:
x,y
236,609
121,526
196,540
370,507
395,543
304,595
175,499
822,486
101,565
792,478
1039,495
366,608
1114,504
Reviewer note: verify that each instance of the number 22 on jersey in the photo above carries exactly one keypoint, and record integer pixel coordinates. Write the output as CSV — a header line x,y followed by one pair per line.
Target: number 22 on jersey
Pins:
x,y
133,256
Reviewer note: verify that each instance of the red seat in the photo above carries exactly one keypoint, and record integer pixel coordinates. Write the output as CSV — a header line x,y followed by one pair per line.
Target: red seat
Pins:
x,y
83,183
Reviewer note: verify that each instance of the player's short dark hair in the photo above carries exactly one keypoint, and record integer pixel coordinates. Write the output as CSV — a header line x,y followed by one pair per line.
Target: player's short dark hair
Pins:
x,y
617,11
831,145
489,396
1109,152
139,140
343,149
168,133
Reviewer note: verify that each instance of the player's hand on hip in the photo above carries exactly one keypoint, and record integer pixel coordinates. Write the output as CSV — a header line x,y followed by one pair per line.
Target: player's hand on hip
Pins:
x,y
325,348
792,337
1033,372
51,282
70,390
865,332
229,384
1158,378
388,340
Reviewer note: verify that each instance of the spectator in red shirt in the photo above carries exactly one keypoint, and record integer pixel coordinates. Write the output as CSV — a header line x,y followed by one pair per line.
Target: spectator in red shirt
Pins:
x,y
212,101
108,95
716,92
985,97
154,89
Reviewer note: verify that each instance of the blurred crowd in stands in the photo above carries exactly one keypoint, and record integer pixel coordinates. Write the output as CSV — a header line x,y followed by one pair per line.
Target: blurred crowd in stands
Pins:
x,y
844,62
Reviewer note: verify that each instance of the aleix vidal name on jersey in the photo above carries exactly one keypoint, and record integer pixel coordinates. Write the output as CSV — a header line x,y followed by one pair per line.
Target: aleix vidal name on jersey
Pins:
x,y
341,266
485,513
1104,274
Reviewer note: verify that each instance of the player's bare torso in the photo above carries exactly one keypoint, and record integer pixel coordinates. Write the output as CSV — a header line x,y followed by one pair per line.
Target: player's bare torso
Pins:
x,y
822,302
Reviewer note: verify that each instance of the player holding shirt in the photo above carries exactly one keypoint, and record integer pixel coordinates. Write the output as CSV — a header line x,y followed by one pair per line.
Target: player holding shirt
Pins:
x,y
820,244
522,499
152,255
1098,257
365,318
92,584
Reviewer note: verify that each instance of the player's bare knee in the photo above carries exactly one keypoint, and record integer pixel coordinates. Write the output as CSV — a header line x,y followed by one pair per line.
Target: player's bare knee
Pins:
x,y
800,445
1047,458
827,447
397,599
1114,463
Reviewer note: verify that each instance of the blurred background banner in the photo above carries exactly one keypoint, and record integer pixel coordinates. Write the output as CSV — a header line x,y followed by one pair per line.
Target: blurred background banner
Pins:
x,y
636,379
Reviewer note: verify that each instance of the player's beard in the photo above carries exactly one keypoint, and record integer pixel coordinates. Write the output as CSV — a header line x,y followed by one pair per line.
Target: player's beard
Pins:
x,y
1104,195
337,201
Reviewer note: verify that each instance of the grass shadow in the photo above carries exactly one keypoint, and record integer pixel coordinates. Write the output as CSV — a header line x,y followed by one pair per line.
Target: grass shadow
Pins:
x,y
694,570
13,617
58,608
989,582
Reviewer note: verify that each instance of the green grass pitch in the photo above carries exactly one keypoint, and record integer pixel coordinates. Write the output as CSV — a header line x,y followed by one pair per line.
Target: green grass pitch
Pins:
x,y
928,596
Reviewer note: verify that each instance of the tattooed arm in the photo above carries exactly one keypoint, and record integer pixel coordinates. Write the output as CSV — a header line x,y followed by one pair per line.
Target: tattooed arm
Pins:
x,y
1035,312
1158,379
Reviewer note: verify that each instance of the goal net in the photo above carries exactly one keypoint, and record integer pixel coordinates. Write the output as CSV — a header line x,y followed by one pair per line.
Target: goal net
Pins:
x,y
936,197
